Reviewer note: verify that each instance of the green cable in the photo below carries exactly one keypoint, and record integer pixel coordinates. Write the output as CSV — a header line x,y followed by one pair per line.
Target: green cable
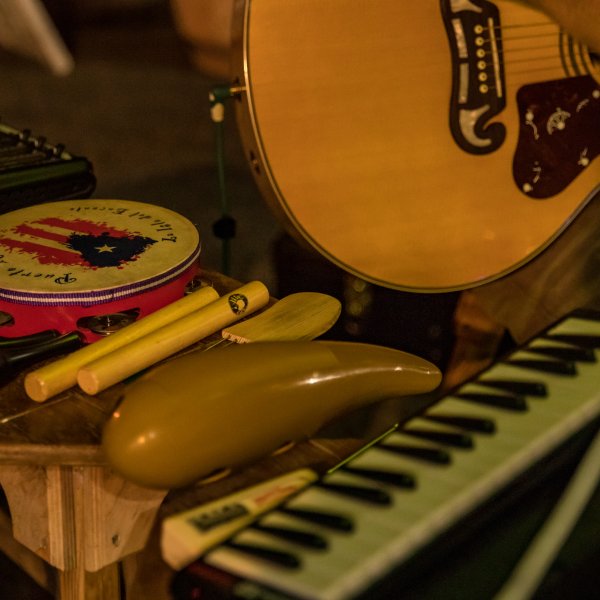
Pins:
x,y
224,228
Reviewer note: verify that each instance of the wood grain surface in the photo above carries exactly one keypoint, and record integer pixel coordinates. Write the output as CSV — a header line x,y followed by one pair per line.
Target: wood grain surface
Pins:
x,y
66,429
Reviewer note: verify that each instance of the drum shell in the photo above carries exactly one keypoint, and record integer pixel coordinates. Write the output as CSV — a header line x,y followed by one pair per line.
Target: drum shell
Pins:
x,y
27,319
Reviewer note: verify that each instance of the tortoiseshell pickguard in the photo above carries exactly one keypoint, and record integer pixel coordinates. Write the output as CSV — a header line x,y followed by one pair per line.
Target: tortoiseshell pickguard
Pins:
x,y
559,134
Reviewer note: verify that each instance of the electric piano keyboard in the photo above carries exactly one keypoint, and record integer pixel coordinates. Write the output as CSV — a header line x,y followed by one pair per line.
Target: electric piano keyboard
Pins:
x,y
372,514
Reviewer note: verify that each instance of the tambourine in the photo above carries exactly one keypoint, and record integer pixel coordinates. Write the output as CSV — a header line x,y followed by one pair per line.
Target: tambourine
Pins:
x,y
91,265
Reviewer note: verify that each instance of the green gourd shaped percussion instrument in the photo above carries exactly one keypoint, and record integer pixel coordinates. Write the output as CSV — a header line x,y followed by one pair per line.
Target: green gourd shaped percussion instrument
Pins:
x,y
207,411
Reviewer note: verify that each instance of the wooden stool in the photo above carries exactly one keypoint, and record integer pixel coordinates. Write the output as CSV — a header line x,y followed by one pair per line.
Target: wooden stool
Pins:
x,y
68,509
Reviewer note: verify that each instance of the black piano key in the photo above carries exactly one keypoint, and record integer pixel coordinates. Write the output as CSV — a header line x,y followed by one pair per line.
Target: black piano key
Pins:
x,y
446,438
279,557
438,456
557,367
325,519
563,353
508,402
475,424
590,314
368,494
397,479
296,536
576,339
520,388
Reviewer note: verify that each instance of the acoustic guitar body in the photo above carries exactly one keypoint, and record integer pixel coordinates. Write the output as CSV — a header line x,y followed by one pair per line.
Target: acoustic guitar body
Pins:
x,y
423,146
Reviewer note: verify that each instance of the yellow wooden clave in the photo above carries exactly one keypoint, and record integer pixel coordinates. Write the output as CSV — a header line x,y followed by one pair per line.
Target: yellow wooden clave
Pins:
x,y
162,343
51,379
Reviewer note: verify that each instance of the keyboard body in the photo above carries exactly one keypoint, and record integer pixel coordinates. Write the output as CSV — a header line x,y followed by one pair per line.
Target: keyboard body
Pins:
x,y
538,399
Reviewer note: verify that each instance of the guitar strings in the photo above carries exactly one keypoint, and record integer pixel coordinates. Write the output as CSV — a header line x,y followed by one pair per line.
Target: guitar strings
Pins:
x,y
512,46
527,25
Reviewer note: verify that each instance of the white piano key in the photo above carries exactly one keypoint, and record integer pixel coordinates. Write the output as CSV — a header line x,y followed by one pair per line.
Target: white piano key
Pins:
x,y
537,342
319,499
576,325
505,420
420,422
562,387
401,438
431,479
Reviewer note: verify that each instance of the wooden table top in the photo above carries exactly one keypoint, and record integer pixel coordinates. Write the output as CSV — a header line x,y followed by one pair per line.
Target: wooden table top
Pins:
x,y
66,431
67,428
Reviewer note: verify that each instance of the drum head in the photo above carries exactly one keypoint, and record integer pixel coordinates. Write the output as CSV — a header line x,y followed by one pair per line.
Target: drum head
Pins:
x,y
85,253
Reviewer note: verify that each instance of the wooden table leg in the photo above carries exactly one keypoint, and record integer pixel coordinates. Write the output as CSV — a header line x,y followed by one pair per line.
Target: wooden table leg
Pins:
x,y
80,519
78,584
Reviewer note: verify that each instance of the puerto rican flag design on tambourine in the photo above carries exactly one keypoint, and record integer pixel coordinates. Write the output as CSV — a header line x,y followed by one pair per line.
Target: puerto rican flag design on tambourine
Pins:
x,y
66,242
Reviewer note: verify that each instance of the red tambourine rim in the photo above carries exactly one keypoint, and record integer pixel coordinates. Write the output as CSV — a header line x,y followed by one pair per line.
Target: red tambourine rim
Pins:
x,y
100,296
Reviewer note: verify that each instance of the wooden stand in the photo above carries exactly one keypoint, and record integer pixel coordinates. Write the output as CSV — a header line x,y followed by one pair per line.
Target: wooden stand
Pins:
x,y
84,533
72,520
82,520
